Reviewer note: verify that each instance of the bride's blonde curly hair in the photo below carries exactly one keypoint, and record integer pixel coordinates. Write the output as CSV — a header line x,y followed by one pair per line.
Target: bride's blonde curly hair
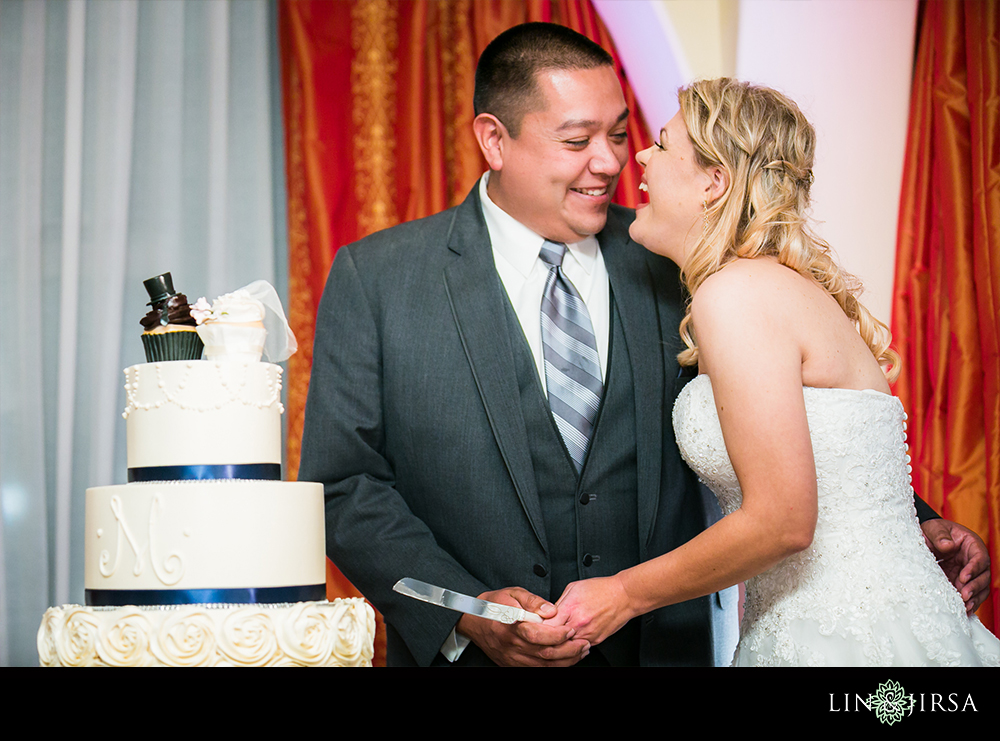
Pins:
x,y
765,145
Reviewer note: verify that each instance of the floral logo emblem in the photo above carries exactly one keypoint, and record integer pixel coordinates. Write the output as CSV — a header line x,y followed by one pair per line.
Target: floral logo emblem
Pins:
x,y
890,702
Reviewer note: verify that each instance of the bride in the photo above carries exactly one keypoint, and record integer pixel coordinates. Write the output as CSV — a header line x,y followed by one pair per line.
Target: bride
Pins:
x,y
791,422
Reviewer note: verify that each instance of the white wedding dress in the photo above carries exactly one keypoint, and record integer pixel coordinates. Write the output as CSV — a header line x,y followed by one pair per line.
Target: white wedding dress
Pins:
x,y
867,592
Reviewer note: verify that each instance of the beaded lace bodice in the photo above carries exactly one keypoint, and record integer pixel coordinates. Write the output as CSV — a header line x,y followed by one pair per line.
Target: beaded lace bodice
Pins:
x,y
867,563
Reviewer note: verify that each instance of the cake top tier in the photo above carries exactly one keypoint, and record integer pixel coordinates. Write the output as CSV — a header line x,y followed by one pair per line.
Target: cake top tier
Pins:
x,y
202,386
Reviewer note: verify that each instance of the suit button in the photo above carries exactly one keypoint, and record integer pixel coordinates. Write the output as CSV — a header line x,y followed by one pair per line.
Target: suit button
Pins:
x,y
585,498
540,570
588,560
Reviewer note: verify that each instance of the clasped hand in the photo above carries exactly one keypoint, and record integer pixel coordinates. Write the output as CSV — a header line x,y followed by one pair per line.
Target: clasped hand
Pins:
x,y
552,642
585,615
594,609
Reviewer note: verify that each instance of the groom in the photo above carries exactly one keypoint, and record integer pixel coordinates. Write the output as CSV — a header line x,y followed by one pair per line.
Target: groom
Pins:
x,y
449,449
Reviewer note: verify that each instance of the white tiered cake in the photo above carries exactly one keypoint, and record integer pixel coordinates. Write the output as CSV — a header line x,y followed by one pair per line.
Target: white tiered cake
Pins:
x,y
206,558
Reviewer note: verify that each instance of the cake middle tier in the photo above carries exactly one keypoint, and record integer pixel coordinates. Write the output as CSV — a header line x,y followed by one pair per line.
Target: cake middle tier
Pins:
x,y
189,413
245,541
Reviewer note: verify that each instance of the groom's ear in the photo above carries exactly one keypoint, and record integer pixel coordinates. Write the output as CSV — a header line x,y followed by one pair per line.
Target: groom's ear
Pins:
x,y
492,137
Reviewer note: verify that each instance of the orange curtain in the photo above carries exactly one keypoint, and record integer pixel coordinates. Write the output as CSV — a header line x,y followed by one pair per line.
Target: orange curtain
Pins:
x,y
946,310
378,130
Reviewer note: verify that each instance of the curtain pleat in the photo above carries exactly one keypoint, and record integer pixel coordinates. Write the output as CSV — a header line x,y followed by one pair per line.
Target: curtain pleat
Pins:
x,y
378,131
946,305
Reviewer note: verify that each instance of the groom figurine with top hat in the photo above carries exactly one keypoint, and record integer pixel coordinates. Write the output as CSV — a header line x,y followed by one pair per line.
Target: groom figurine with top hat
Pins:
x,y
489,408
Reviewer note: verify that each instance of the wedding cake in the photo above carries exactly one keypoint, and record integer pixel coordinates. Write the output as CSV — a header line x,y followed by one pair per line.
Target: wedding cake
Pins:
x,y
206,558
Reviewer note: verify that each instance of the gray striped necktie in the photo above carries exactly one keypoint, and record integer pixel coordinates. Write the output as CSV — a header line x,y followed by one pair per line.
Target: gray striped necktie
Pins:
x,y
572,367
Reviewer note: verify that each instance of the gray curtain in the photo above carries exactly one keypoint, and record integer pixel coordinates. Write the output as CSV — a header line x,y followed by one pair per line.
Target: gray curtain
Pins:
x,y
135,138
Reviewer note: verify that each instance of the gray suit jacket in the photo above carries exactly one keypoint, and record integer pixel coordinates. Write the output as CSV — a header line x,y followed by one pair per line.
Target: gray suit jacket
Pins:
x,y
414,427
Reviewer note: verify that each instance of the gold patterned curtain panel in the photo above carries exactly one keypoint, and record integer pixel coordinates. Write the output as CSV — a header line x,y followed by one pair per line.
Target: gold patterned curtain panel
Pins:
x,y
378,131
946,305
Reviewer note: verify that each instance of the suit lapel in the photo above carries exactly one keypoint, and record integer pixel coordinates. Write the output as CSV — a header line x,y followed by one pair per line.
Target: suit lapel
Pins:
x,y
477,301
634,297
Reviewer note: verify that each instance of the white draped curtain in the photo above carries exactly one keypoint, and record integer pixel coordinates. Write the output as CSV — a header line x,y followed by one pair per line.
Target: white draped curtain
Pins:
x,y
136,138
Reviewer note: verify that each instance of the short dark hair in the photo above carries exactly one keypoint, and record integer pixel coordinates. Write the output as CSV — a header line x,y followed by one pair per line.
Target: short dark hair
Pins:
x,y
506,85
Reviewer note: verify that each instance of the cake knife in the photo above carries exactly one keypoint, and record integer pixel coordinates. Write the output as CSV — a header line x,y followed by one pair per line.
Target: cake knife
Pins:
x,y
463,603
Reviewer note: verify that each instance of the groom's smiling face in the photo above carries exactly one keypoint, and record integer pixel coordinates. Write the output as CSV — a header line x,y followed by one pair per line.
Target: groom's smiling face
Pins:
x,y
557,177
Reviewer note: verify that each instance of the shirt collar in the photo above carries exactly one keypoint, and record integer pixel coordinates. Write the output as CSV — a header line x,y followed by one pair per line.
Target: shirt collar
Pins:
x,y
519,245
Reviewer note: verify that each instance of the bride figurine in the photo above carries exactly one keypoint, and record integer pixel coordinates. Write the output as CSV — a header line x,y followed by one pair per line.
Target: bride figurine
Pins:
x,y
790,422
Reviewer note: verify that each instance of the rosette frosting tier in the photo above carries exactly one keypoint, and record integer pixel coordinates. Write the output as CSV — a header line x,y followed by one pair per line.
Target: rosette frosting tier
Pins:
x,y
319,633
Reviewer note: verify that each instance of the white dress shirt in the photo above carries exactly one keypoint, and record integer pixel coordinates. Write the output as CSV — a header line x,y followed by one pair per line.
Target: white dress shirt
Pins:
x,y
523,274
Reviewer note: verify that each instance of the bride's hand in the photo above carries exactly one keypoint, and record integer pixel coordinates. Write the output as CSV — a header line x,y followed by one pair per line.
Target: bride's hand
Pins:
x,y
595,608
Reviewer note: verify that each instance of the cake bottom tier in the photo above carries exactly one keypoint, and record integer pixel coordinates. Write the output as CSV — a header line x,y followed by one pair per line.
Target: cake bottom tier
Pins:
x,y
338,633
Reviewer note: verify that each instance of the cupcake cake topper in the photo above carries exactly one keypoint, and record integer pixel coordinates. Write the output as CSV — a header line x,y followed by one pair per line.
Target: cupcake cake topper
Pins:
x,y
245,324
168,329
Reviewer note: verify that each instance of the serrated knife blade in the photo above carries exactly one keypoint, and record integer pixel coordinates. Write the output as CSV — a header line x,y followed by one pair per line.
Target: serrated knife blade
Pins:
x,y
463,603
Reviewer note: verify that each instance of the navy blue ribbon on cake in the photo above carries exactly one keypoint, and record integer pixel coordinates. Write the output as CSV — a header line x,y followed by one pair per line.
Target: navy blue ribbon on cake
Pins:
x,y
256,471
249,595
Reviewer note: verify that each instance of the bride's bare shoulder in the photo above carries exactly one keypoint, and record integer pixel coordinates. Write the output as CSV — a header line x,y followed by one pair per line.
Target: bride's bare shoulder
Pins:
x,y
742,286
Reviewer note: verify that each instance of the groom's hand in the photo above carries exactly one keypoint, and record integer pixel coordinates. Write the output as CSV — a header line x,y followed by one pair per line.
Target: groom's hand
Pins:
x,y
524,644
963,557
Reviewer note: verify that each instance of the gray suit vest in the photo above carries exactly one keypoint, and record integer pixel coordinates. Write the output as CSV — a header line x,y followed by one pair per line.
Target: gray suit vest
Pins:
x,y
591,520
